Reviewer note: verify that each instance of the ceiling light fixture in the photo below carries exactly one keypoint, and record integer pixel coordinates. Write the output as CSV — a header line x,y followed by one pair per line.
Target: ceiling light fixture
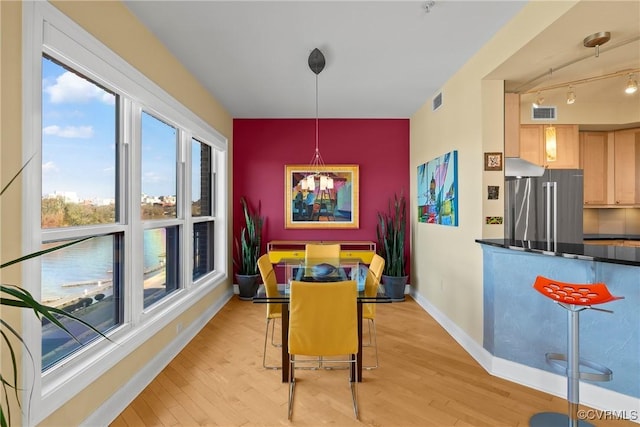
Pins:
x,y
539,101
316,64
596,40
626,72
571,96
428,5
632,85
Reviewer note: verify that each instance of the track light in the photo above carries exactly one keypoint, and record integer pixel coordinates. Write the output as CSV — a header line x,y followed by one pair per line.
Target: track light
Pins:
x,y
571,96
632,85
539,101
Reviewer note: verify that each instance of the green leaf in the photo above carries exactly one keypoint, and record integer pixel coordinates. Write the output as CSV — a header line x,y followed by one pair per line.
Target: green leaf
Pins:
x,y
45,251
391,232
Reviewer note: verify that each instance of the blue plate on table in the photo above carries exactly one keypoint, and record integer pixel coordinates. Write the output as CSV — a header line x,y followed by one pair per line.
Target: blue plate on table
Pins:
x,y
323,270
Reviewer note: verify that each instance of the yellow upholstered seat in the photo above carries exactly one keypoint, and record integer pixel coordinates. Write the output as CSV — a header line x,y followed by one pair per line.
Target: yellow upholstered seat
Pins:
x,y
323,321
274,311
374,274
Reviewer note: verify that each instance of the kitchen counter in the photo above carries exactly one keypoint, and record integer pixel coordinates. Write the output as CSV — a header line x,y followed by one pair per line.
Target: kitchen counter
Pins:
x,y
628,255
520,325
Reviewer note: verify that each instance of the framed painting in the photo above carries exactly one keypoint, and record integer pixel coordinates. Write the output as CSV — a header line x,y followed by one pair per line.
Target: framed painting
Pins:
x,y
321,196
438,190
493,161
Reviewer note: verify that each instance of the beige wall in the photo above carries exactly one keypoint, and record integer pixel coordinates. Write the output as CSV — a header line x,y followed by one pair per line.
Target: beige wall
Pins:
x,y
447,262
10,158
140,48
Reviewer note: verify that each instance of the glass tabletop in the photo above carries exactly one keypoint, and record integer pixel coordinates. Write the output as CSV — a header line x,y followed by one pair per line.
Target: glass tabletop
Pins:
x,y
321,270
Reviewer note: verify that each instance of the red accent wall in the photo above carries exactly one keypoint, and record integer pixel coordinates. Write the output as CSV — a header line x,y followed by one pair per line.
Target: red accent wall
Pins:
x,y
262,148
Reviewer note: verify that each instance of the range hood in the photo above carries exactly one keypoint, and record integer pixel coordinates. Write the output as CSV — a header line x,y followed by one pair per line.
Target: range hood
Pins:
x,y
520,168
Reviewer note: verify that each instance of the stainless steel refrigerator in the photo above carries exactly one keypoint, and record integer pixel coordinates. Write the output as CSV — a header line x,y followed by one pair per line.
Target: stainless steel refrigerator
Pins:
x,y
547,208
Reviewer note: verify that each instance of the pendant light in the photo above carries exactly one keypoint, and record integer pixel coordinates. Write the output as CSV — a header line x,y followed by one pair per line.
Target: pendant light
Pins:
x,y
571,96
325,182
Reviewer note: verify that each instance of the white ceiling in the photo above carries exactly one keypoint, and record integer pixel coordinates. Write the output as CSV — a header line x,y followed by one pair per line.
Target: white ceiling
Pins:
x,y
385,59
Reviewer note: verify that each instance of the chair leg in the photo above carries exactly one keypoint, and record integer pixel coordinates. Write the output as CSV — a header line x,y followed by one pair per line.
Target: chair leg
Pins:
x,y
354,388
273,328
264,352
292,385
373,335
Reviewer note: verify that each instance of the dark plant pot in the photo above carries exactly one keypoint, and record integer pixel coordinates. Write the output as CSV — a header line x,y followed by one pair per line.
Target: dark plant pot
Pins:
x,y
247,286
394,286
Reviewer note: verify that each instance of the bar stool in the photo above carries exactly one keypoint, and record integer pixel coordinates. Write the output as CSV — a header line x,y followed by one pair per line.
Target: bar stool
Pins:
x,y
574,298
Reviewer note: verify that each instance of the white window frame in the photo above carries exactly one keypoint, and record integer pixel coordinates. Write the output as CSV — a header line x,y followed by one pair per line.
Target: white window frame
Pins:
x,y
46,30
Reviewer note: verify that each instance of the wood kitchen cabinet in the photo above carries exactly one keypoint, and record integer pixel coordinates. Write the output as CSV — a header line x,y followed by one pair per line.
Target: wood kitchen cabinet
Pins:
x,y
532,146
626,162
593,161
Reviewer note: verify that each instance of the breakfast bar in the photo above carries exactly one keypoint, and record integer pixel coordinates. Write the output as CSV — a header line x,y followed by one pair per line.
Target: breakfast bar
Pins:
x,y
521,326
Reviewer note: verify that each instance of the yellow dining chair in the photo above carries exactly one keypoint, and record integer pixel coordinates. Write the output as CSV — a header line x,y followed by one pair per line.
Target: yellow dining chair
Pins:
x,y
274,311
374,274
319,258
323,321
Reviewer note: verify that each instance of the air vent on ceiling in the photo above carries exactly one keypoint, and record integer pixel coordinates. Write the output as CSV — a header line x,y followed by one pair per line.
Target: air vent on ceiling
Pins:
x,y
437,102
543,113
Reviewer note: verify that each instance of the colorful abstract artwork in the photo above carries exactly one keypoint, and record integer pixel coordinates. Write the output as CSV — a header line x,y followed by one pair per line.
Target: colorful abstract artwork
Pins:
x,y
438,190
493,192
321,197
494,220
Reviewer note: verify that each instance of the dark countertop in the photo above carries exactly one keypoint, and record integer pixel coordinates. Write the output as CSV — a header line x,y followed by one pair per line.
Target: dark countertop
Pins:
x,y
612,237
627,255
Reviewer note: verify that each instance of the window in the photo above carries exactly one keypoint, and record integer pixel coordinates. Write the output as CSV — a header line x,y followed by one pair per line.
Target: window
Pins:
x,y
85,280
78,149
201,208
128,173
159,165
79,170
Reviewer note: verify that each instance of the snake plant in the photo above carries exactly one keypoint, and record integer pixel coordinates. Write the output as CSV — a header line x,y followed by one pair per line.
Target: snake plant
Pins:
x,y
249,249
391,231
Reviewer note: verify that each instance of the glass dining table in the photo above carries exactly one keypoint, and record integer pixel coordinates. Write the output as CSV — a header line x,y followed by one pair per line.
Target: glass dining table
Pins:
x,y
317,270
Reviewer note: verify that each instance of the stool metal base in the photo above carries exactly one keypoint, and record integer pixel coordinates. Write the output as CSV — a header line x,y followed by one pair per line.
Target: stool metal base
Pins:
x,y
554,419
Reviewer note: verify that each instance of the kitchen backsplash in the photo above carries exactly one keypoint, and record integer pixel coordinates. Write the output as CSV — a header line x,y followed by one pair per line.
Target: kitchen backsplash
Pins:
x,y
612,221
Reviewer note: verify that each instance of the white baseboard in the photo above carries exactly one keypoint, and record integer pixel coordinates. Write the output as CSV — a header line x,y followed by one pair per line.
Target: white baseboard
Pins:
x,y
117,403
590,395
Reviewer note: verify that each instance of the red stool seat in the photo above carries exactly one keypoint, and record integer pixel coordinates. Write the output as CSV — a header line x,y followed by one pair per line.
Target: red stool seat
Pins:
x,y
571,293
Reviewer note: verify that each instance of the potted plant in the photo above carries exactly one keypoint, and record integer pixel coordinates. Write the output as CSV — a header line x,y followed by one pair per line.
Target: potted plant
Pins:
x,y
391,231
248,250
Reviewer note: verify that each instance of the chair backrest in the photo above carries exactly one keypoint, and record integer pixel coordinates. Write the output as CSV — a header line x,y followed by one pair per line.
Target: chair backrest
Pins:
x,y
270,284
323,319
376,267
318,253
374,274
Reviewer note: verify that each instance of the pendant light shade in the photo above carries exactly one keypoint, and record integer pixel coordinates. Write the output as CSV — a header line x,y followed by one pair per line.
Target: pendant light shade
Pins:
x,y
550,145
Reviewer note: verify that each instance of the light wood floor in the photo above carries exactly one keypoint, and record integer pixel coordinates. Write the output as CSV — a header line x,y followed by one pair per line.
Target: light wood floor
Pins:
x,y
425,379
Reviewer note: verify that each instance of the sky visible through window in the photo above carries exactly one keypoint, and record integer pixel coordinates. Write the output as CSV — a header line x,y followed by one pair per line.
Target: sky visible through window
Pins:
x,y
79,140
